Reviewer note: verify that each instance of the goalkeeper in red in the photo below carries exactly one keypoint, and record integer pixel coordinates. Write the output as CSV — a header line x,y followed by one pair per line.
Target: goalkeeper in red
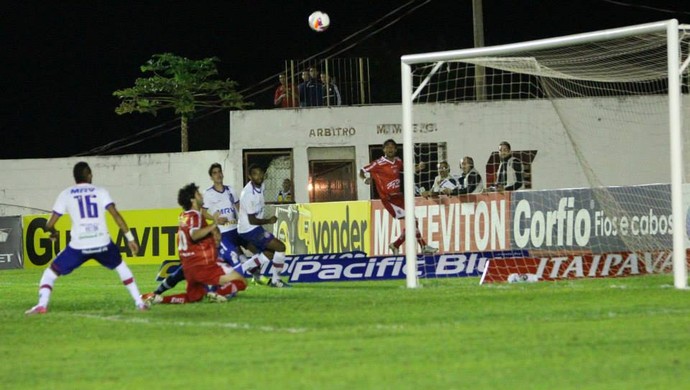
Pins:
x,y
386,173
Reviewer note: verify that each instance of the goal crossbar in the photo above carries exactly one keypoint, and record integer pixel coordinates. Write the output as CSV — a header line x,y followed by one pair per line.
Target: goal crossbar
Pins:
x,y
540,44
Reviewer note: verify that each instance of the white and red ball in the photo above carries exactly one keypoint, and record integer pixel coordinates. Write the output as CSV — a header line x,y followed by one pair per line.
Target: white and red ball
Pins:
x,y
319,21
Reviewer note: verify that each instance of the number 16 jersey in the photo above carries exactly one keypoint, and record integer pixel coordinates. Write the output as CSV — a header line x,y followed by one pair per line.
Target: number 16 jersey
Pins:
x,y
86,205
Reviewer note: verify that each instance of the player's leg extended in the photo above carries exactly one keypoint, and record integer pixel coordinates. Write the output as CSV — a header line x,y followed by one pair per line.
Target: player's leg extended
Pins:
x,y
257,239
231,283
227,280
272,250
396,208
250,265
278,248
418,234
64,263
112,259
45,288
196,290
171,281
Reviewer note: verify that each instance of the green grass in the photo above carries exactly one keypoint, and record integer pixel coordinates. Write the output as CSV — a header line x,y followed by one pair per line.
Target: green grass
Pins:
x,y
452,333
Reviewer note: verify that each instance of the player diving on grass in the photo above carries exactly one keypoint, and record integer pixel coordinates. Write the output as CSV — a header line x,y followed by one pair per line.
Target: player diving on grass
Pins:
x,y
386,173
197,246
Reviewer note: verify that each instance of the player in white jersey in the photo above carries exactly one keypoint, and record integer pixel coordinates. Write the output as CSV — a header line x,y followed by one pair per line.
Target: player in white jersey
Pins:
x,y
87,205
222,199
250,227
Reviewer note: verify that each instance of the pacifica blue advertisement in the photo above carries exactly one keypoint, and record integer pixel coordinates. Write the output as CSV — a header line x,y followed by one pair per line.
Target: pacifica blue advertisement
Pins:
x,y
352,266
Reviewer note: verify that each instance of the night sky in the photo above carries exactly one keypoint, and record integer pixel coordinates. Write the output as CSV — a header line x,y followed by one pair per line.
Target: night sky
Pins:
x,y
64,59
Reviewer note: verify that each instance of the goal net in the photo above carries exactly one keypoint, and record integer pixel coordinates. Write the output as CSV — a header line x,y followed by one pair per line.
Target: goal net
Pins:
x,y
591,182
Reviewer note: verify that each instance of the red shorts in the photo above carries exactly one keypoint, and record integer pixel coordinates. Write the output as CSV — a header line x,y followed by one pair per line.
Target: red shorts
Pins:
x,y
395,206
200,276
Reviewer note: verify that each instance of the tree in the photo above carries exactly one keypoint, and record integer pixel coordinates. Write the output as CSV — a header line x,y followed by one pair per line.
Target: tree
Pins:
x,y
181,84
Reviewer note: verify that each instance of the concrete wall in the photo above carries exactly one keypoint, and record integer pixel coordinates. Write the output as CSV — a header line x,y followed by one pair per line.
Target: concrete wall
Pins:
x,y
634,155
144,181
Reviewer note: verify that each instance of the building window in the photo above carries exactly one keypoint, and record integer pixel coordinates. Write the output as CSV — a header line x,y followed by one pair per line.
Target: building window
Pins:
x,y
332,180
278,164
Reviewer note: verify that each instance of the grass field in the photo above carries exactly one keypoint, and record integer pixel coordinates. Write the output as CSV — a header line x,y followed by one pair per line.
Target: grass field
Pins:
x,y
452,333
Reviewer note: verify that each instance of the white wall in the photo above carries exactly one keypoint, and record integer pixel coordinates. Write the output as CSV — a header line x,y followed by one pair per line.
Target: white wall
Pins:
x,y
635,155
638,154
144,181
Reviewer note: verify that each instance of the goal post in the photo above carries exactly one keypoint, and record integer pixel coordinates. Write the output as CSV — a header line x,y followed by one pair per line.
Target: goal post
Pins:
x,y
408,180
680,273
620,85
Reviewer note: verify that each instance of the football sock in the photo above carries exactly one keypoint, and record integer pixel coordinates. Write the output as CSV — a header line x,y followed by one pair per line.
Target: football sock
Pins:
x,y
420,240
278,263
418,235
128,280
163,287
45,287
251,264
241,260
399,241
175,299
262,259
171,281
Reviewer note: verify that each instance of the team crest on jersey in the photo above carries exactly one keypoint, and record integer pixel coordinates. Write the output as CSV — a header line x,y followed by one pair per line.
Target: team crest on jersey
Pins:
x,y
393,184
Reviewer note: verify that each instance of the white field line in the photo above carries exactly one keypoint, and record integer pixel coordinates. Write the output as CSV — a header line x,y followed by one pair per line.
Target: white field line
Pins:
x,y
227,325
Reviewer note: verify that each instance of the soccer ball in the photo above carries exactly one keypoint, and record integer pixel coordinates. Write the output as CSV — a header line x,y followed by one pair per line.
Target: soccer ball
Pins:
x,y
319,21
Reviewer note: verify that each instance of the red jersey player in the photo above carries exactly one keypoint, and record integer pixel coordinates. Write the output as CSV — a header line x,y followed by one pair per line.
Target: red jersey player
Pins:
x,y
197,246
386,174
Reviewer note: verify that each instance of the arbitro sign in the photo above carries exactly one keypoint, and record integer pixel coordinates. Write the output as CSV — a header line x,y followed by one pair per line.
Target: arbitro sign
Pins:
x,y
332,132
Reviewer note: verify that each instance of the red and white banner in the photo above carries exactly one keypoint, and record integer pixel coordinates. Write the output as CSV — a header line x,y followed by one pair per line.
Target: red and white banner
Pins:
x,y
472,223
578,266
